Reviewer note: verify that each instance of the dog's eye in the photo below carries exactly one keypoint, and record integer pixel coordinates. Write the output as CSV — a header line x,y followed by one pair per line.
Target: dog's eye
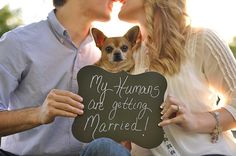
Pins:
x,y
109,49
124,48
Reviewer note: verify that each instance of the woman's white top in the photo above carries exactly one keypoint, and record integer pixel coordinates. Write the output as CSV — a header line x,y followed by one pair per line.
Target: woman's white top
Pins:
x,y
210,67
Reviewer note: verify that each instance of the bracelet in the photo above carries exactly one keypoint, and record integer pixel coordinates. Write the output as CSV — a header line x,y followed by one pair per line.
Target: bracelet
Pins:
x,y
217,130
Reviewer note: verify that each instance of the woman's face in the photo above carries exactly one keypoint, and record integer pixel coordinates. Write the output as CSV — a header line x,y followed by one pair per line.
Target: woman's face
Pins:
x,y
132,11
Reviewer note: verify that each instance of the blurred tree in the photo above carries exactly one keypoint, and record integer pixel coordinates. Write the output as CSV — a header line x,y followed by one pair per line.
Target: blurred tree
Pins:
x,y
234,41
233,46
9,19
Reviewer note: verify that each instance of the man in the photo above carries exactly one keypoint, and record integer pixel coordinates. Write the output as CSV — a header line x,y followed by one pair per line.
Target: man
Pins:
x,y
38,67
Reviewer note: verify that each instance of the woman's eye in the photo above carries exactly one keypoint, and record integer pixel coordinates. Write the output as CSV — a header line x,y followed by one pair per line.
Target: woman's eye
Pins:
x,y
124,48
109,49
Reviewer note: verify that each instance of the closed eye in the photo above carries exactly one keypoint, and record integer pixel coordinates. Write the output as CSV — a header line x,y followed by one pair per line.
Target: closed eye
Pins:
x,y
109,49
124,48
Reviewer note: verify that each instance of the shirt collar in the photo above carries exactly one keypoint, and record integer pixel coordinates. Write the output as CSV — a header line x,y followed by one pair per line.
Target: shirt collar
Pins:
x,y
55,24
61,32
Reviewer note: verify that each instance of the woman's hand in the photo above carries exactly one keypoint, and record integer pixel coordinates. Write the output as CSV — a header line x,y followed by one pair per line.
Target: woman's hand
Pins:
x,y
60,103
175,112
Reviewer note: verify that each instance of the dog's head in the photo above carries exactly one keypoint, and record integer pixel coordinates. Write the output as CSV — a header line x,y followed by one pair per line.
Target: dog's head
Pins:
x,y
116,50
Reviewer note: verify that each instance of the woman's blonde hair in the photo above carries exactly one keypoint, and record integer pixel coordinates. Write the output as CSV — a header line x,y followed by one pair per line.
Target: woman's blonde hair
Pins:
x,y
167,29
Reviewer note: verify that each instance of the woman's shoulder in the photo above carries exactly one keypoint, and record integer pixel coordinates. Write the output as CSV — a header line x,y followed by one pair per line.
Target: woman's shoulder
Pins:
x,y
204,33
200,37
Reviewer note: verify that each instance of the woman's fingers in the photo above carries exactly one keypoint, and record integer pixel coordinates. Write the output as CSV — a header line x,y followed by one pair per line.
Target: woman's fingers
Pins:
x,y
171,104
175,120
165,106
171,112
176,112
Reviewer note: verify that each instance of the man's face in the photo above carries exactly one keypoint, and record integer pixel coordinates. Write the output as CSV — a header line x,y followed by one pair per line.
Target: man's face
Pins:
x,y
100,9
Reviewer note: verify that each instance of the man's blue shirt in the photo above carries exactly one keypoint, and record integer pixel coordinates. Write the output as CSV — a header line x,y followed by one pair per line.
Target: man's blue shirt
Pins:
x,y
33,60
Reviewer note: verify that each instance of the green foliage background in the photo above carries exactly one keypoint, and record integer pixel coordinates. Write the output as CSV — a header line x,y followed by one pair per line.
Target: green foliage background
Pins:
x,y
233,46
9,19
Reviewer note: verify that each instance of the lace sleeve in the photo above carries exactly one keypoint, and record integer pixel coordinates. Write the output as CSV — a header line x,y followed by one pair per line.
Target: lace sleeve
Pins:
x,y
219,67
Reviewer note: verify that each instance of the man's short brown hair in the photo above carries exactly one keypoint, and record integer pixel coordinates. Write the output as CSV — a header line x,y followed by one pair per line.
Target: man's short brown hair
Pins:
x,y
58,3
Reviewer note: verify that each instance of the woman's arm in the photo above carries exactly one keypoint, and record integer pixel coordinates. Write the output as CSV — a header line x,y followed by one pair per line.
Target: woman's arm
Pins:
x,y
175,112
219,68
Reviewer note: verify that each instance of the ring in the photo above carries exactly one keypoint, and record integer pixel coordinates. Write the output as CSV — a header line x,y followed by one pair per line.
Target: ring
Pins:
x,y
177,108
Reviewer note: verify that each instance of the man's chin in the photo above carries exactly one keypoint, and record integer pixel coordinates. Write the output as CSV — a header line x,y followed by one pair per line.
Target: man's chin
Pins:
x,y
105,18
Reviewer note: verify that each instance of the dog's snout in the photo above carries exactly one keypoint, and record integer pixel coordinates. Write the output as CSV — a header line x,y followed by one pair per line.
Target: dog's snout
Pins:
x,y
117,57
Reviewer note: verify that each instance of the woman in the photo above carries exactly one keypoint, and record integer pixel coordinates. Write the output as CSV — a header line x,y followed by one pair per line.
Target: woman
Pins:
x,y
197,64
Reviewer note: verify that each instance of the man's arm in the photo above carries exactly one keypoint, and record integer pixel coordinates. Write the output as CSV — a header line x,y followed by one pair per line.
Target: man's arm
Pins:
x,y
17,121
57,103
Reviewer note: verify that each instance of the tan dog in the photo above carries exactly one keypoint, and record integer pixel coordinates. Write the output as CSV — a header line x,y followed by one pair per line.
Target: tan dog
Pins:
x,y
117,52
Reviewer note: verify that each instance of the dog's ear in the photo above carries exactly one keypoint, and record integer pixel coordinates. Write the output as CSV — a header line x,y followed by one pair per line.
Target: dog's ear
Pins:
x,y
99,37
132,35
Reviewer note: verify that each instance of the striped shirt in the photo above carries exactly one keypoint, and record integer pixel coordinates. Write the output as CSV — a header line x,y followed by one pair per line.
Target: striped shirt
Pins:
x,y
33,60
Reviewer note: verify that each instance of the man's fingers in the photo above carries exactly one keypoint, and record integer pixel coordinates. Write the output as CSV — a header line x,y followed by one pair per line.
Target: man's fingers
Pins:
x,y
68,94
67,108
59,112
68,100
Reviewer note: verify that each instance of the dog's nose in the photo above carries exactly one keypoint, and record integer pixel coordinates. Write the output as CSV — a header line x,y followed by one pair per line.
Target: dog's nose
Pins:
x,y
117,57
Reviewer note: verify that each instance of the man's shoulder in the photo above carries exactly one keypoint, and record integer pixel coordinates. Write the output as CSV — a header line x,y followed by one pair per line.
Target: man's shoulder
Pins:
x,y
32,29
22,37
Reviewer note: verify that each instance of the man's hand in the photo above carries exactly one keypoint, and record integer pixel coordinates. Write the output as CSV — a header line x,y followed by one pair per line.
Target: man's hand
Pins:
x,y
60,103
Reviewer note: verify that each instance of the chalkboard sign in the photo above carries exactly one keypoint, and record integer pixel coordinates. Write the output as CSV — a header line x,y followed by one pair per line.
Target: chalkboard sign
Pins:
x,y
120,106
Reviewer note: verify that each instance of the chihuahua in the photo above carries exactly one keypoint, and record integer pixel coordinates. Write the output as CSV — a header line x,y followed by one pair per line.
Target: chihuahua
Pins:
x,y
116,52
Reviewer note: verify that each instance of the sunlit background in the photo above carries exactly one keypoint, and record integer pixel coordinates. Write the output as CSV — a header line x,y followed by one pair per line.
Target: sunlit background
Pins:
x,y
219,15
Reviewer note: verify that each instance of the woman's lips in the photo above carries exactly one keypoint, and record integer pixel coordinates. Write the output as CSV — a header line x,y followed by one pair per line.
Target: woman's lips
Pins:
x,y
110,6
122,1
